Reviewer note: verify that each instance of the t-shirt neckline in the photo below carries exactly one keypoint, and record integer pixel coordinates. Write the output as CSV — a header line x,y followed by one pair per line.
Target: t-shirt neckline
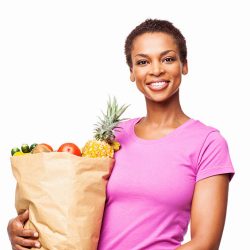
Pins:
x,y
174,132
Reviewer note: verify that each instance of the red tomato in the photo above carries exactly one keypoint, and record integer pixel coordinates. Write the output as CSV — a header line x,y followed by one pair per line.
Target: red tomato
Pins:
x,y
48,146
70,148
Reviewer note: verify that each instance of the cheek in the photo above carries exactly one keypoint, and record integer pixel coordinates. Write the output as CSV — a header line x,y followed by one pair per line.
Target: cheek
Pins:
x,y
176,72
139,74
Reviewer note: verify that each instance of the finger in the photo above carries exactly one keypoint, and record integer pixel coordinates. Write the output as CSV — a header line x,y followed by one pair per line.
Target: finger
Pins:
x,y
27,242
15,228
23,217
17,247
28,233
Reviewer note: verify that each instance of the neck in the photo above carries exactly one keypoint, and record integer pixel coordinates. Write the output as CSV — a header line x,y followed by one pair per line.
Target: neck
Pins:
x,y
162,114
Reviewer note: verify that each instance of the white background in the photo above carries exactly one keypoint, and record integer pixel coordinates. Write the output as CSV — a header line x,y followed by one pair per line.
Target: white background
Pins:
x,y
59,61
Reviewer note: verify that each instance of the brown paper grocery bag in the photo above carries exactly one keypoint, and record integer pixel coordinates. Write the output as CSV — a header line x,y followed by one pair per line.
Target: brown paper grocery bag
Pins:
x,y
65,195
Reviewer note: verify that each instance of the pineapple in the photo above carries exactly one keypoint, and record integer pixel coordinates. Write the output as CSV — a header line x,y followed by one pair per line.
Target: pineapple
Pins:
x,y
104,144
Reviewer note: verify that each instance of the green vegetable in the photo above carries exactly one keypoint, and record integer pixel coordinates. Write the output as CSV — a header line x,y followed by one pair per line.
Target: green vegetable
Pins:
x,y
32,146
25,148
14,150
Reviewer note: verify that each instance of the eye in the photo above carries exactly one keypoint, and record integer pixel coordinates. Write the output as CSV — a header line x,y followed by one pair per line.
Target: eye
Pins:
x,y
141,62
169,59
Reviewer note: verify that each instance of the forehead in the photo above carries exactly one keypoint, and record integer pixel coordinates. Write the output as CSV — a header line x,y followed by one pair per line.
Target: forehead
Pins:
x,y
156,42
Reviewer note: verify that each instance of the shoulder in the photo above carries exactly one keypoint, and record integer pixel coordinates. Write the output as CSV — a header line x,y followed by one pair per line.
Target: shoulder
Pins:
x,y
203,129
213,155
126,123
208,133
202,133
206,139
123,127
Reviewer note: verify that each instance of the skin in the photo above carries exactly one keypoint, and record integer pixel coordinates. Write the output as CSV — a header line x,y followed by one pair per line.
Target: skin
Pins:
x,y
208,213
155,57
21,238
164,114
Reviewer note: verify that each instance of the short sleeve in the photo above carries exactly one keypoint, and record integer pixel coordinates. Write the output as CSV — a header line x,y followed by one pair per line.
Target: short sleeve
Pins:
x,y
214,157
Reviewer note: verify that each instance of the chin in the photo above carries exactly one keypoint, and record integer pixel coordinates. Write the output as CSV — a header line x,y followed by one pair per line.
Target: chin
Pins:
x,y
158,99
162,97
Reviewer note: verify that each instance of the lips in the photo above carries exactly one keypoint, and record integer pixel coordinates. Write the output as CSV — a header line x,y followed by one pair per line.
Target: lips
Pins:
x,y
158,85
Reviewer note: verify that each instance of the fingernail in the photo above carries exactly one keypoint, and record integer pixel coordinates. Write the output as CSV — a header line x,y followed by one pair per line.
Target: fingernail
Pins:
x,y
35,234
37,244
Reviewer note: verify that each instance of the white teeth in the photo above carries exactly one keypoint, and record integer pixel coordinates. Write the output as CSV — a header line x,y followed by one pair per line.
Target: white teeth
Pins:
x,y
157,84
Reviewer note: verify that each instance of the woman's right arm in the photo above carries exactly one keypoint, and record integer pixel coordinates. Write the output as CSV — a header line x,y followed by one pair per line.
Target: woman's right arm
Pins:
x,y
20,238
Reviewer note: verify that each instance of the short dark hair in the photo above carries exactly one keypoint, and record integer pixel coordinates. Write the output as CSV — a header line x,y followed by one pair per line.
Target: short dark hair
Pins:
x,y
156,25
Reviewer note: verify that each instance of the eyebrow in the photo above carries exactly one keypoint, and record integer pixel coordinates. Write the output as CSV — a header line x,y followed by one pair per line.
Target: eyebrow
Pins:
x,y
162,53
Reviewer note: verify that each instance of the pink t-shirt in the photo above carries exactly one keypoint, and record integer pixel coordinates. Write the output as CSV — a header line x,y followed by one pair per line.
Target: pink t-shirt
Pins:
x,y
150,190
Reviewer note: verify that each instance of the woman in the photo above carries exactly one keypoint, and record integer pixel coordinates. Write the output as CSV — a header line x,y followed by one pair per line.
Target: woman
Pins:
x,y
172,168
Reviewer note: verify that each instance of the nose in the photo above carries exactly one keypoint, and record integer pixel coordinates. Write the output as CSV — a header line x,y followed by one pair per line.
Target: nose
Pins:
x,y
156,69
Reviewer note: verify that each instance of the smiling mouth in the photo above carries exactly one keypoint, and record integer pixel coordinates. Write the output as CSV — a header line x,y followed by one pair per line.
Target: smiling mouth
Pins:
x,y
158,85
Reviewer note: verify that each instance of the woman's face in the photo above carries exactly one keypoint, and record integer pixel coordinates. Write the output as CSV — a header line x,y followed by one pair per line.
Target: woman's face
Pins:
x,y
156,66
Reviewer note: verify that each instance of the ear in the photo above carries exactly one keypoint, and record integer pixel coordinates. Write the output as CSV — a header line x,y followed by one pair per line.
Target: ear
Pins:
x,y
185,68
132,77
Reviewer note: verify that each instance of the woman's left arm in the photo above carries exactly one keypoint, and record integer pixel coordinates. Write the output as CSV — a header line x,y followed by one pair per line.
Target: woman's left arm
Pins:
x,y
208,213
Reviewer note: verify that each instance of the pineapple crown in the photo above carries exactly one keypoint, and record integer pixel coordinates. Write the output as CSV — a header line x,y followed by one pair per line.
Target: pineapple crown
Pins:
x,y
106,126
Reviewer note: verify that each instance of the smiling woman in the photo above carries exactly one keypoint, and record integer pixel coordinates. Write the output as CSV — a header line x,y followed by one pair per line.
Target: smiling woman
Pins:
x,y
159,67
171,168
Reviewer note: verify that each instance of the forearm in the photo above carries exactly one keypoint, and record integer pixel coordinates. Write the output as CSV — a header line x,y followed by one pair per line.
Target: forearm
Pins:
x,y
191,245
196,245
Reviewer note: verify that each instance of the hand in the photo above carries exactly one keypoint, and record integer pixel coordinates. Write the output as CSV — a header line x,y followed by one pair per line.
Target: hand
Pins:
x,y
20,238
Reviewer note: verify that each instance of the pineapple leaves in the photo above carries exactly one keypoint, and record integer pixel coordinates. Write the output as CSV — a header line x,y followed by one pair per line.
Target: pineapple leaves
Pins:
x,y
109,121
